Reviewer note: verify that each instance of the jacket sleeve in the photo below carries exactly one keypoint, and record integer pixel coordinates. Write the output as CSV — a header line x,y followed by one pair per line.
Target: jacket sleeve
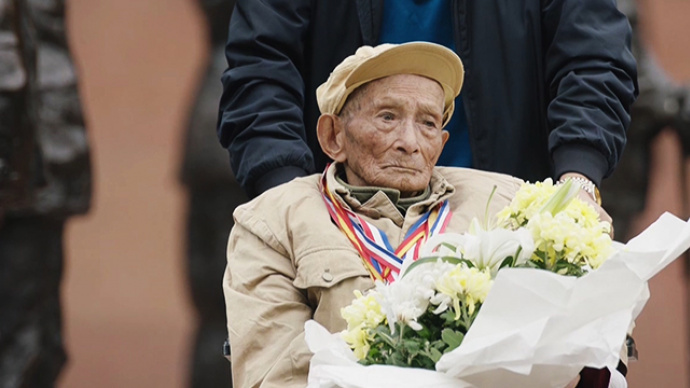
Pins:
x,y
261,110
592,82
265,312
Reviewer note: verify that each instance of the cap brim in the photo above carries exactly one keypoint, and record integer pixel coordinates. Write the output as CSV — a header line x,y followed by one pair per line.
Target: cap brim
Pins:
x,y
421,58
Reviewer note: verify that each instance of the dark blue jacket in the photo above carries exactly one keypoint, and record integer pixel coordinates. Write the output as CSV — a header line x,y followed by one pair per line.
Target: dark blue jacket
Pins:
x,y
548,84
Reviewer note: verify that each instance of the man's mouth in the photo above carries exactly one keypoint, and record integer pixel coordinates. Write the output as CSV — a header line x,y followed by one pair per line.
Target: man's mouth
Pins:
x,y
397,167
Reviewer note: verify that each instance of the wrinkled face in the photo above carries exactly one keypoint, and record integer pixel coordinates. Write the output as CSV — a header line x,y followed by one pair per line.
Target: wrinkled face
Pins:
x,y
392,133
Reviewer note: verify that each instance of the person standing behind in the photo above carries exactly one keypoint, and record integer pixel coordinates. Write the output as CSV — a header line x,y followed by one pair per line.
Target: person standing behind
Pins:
x,y
548,89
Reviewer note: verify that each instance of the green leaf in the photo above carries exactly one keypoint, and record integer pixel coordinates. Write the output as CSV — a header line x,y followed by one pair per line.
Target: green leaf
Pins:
x,y
565,267
448,317
507,262
450,246
397,359
486,210
384,333
452,338
435,355
412,346
541,259
425,332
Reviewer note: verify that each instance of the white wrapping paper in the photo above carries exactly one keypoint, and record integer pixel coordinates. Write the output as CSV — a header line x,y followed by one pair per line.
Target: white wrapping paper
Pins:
x,y
535,329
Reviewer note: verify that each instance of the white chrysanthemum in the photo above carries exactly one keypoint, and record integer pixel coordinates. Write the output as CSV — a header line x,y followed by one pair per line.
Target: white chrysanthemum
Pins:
x,y
405,300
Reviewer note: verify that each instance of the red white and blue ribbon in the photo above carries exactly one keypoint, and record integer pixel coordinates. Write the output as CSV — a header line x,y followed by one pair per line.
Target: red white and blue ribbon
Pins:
x,y
379,257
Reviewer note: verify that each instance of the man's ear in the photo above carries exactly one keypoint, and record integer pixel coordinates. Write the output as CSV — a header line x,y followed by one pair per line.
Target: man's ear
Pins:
x,y
329,130
444,138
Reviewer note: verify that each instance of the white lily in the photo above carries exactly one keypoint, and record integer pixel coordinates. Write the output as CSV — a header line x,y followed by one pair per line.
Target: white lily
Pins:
x,y
484,248
562,197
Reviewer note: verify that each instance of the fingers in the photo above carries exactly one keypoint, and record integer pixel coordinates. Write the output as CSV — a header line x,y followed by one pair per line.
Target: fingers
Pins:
x,y
573,383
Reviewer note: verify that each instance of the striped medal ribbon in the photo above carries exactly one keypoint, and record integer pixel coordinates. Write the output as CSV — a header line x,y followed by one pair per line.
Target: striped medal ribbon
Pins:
x,y
379,257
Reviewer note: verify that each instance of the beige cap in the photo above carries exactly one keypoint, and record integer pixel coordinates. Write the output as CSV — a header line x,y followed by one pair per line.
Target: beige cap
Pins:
x,y
371,63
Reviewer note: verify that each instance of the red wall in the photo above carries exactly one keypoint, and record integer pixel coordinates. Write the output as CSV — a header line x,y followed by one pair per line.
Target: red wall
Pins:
x,y
127,315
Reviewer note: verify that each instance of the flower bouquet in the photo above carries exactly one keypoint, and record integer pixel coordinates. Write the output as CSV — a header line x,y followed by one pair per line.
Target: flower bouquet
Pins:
x,y
525,300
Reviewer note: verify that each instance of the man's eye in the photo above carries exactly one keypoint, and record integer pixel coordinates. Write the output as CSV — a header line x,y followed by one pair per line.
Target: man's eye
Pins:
x,y
387,116
431,124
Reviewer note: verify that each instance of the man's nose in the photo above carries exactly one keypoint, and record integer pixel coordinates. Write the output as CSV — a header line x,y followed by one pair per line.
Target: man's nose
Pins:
x,y
407,140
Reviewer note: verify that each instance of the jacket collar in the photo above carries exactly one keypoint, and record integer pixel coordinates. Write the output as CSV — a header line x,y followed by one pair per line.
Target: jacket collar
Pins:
x,y
380,205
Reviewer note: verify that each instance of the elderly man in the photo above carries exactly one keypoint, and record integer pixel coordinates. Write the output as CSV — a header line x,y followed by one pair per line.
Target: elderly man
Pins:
x,y
292,256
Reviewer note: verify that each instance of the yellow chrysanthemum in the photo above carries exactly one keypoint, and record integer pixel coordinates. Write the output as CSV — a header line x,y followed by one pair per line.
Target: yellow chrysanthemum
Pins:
x,y
465,285
578,240
364,311
574,234
362,315
359,339
528,201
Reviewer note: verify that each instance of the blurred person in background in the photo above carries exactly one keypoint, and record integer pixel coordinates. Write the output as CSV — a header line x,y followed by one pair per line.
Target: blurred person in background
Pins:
x,y
213,194
663,104
631,195
45,178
